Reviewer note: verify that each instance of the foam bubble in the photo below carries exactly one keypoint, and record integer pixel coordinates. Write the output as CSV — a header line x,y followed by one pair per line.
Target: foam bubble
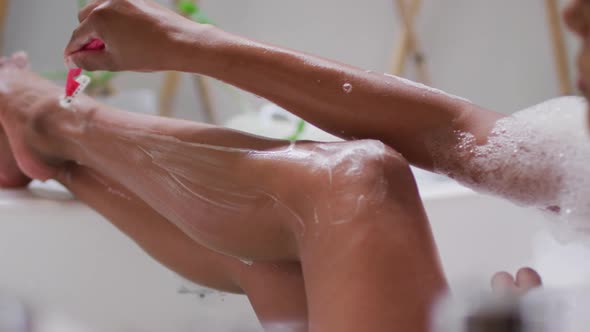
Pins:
x,y
537,157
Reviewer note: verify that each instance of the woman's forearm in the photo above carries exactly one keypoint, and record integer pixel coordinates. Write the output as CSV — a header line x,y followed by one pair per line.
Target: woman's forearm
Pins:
x,y
343,100
430,128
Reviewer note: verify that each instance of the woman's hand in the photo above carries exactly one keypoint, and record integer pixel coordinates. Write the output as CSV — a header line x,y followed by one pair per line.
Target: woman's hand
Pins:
x,y
140,35
526,279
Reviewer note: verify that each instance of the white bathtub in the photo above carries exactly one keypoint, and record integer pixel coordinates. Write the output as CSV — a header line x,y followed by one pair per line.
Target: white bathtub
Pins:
x,y
60,254
63,256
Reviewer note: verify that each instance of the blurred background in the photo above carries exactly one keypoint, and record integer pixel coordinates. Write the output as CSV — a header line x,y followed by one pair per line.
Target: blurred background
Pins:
x,y
62,257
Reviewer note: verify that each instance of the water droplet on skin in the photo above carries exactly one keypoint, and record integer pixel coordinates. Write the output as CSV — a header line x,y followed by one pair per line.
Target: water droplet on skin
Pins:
x,y
347,87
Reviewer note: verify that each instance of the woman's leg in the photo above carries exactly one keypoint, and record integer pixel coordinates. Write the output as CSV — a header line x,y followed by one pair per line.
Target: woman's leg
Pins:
x,y
350,212
275,289
378,269
374,268
372,241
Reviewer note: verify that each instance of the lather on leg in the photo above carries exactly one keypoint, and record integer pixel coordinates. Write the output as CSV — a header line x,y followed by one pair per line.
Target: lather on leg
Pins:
x,y
350,212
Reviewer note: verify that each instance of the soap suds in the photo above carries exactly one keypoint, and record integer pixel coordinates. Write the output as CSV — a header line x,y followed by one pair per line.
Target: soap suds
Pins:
x,y
247,262
100,180
538,157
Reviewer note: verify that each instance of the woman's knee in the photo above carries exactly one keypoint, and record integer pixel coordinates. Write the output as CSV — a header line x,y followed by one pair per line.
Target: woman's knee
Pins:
x,y
363,176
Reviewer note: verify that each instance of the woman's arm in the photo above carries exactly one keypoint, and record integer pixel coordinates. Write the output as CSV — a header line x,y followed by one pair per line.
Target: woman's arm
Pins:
x,y
348,102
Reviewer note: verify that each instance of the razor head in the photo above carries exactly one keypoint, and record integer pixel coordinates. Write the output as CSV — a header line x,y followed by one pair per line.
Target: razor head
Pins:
x,y
82,82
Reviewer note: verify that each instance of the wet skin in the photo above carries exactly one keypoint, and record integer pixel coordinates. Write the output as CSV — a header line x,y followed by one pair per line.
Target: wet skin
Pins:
x,y
368,246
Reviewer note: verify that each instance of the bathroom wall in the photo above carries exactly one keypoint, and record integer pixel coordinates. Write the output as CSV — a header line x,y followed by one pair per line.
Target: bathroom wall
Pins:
x,y
496,53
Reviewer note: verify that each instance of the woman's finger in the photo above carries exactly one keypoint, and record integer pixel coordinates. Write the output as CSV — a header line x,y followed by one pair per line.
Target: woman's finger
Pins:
x,y
83,34
86,11
503,282
527,278
91,61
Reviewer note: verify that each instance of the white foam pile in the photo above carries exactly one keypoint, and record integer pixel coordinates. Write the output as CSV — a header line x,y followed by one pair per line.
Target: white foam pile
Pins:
x,y
538,157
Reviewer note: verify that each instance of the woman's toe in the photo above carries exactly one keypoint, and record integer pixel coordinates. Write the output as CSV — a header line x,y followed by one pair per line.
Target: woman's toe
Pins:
x,y
21,60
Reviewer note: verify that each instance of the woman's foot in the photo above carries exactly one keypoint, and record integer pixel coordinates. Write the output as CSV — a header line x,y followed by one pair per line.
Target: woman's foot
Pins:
x,y
10,174
24,98
526,280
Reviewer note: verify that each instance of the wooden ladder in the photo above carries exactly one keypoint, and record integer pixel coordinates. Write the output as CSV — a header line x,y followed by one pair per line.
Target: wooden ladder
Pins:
x,y
169,92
